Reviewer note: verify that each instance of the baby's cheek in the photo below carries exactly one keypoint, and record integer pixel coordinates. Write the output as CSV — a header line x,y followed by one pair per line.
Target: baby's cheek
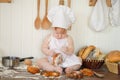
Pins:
x,y
60,36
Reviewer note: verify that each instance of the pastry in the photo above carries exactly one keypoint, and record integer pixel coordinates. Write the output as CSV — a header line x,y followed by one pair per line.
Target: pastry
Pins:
x,y
57,59
33,69
75,75
55,74
87,72
50,74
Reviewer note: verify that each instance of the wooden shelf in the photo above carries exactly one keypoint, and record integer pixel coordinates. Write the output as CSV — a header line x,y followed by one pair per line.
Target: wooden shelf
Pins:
x,y
5,1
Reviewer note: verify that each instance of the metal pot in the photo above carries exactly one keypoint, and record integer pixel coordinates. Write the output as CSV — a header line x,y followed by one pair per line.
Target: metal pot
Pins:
x,y
11,61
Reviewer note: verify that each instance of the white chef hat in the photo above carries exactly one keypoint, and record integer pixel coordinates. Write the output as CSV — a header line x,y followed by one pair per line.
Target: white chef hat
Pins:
x,y
61,16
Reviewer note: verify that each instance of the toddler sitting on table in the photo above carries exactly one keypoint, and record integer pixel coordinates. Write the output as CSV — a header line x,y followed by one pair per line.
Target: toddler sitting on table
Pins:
x,y
59,41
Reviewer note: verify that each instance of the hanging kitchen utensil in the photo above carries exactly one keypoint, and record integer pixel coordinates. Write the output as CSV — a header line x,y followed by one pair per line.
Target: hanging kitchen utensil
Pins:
x,y
61,2
37,20
5,1
114,14
69,5
108,2
97,20
92,2
46,23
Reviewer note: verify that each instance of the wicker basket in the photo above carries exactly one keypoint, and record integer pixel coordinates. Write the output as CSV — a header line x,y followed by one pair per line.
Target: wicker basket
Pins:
x,y
113,67
92,64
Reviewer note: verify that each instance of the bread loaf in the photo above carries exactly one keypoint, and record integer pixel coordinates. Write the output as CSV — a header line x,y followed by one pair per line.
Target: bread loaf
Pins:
x,y
87,51
113,56
90,52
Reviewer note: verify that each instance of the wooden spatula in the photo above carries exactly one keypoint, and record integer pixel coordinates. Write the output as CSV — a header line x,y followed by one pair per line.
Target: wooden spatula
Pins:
x,y
37,20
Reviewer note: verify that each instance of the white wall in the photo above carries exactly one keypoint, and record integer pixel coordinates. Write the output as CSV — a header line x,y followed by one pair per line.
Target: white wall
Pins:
x,y
18,37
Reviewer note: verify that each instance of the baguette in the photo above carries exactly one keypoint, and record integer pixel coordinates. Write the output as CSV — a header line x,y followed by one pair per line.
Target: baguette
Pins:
x,y
87,51
81,52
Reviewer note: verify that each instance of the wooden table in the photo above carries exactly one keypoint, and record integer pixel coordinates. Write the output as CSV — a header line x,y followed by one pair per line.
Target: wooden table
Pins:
x,y
108,76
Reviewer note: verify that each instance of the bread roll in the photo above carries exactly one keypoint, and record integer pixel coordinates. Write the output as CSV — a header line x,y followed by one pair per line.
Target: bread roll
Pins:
x,y
87,51
55,74
113,56
50,74
33,69
57,59
87,72
28,62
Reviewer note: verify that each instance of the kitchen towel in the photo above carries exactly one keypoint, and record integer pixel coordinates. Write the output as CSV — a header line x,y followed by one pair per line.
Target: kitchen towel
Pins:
x,y
114,13
97,19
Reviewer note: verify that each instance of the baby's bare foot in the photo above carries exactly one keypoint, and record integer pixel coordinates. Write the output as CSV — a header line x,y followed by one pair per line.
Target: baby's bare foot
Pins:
x,y
58,69
68,70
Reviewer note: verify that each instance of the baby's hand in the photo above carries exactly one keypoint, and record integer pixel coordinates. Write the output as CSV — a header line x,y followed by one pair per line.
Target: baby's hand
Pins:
x,y
51,52
64,49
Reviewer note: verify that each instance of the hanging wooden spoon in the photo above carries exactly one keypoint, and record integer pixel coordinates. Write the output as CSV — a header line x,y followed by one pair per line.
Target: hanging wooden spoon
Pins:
x,y
37,20
61,2
92,2
46,23
108,2
69,5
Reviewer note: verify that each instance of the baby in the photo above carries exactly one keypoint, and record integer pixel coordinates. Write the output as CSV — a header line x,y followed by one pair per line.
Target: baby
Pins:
x,y
60,42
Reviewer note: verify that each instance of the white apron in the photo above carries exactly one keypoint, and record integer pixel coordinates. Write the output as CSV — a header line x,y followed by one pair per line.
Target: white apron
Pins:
x,y
56,45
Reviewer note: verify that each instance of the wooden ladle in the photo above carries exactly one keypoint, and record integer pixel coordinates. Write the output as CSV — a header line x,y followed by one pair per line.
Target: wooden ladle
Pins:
x,y
61,2
69,5
108,2
46,23
37,20
92,2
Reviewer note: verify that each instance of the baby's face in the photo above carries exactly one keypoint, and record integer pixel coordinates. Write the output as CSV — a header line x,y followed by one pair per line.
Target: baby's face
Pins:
x,y
60,30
